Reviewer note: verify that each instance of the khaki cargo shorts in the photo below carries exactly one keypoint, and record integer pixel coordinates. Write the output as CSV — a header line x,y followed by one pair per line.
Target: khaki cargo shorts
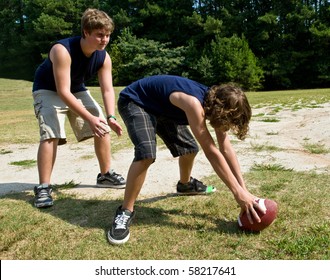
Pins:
x,y
51,113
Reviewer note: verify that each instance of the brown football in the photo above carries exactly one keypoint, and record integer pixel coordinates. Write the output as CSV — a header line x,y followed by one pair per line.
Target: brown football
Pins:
x,y
266,219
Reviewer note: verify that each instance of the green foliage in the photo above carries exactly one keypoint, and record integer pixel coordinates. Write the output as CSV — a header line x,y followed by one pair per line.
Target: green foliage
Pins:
x,y
39,23
135,58
284,44
212,26
47,24
230,60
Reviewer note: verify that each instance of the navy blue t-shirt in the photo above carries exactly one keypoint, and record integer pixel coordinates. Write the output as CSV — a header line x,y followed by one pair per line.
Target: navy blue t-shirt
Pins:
x,y
153,94
82,67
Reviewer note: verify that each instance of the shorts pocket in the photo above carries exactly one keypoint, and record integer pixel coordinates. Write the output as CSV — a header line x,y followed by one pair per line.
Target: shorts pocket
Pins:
x,y
37,107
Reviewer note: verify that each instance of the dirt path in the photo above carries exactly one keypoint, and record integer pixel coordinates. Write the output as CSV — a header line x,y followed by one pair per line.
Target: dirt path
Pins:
x,y
77,162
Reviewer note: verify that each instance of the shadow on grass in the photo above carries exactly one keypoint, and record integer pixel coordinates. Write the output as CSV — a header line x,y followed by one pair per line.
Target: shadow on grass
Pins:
x,y
98,213
14,187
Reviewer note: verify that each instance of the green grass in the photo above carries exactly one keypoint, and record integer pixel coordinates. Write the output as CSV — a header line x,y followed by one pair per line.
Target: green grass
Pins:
x,y
295,99
270,120
167,226
262,147
316,148
174,227
269,167
5,151
24,163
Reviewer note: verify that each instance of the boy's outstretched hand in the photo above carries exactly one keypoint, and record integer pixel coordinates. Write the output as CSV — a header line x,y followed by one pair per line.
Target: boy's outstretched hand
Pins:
x,y
249,204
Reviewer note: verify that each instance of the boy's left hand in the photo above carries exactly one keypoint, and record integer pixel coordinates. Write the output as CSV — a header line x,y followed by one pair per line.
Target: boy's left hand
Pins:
x,y
115,126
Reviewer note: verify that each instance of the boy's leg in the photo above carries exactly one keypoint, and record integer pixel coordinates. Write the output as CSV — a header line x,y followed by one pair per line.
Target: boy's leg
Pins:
x,y
182,144
107,177
188,184
141,128
135,179
119,232
186,163
50,111
46,158
102,150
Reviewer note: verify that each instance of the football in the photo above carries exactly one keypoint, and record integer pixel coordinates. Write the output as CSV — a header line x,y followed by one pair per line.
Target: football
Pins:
x,y
266,219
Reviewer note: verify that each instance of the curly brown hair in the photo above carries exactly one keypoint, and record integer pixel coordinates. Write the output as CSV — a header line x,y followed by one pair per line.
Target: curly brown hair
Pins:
x,y
95,19
227,108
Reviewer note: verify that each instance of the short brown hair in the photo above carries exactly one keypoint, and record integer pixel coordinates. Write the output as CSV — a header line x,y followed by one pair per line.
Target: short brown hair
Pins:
x,y
227,107
95,19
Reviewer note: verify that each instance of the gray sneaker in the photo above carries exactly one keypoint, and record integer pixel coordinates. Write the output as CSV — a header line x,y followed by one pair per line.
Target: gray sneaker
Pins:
x,y
43,196
111,179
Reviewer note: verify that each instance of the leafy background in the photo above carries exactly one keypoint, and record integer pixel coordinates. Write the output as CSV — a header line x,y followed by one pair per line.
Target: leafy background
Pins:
x,y
260,44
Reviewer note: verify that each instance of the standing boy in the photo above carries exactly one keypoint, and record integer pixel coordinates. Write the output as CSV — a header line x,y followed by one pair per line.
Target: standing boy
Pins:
x,y
59,91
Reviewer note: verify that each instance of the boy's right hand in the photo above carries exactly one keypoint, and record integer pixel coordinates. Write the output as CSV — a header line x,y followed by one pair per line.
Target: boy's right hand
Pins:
x,y
98,126
249,204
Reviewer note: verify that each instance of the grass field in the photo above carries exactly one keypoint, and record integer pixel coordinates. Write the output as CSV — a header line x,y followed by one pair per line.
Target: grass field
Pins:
x,y
166,227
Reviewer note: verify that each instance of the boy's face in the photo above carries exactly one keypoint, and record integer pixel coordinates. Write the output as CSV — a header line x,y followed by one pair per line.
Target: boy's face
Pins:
x,y
98,38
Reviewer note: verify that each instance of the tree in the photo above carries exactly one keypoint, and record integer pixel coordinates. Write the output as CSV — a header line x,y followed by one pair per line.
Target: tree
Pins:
x,y
289,39
135,58
230,60
12,40
320,33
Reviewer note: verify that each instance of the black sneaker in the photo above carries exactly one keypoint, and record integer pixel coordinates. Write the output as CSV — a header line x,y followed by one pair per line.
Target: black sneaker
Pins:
x,y
110,179
119,231
194,187
43,197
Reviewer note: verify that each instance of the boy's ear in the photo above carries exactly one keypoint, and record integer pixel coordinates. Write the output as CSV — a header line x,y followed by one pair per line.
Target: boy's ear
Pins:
x,y
85,33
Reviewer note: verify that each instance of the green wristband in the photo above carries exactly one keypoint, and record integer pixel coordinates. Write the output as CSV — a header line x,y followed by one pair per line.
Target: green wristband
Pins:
x,y
111,117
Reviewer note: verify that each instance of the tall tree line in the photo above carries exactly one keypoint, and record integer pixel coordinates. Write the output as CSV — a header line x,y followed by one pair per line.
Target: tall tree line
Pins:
x,y
260,44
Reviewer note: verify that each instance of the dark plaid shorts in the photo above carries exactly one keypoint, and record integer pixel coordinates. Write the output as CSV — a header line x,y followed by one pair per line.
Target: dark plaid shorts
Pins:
x,y
142,128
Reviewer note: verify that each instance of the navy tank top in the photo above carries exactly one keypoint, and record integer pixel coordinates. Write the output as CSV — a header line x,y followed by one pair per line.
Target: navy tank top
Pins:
x,y
153,94
82,67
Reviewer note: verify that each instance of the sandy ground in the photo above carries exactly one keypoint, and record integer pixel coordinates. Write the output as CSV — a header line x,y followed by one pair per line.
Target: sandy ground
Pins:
x,y
77,161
